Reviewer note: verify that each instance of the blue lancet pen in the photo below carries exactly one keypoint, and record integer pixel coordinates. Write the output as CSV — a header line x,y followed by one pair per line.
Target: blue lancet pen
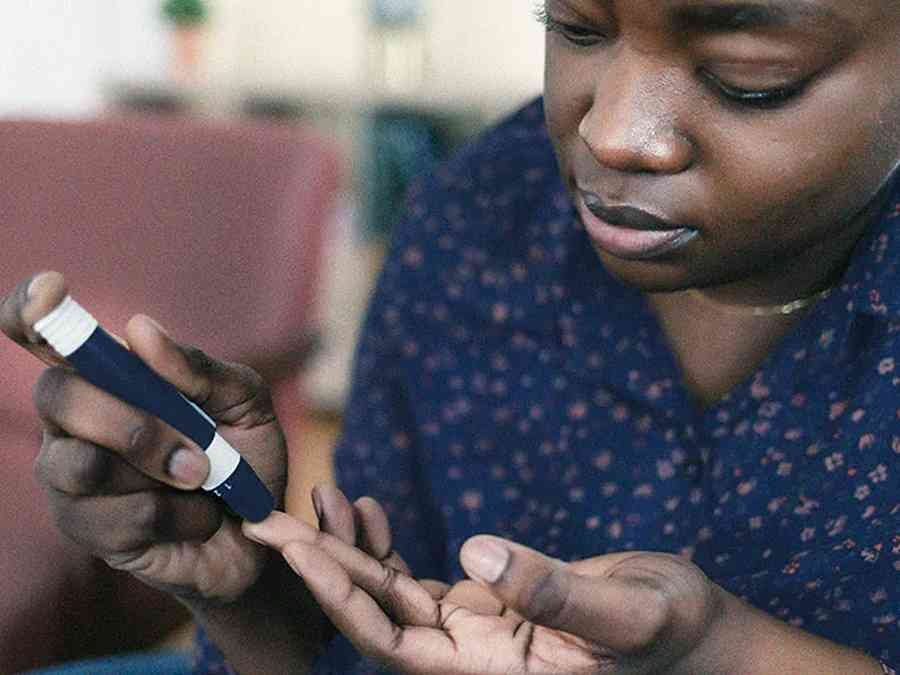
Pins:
x,y
77,336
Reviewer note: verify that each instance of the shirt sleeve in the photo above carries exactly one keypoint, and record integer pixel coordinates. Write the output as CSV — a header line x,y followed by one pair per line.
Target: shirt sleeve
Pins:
x,y
207,659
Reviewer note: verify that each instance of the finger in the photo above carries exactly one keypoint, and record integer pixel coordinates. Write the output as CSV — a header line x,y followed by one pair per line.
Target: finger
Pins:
x,y
70,403
78,468
336,514
356,614
374,534
32,299
437,589
406,601
475,597
231,393
615,613
132,522
395,561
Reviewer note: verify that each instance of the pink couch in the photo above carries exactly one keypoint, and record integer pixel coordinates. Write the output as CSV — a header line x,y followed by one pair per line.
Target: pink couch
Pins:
x,y
215,229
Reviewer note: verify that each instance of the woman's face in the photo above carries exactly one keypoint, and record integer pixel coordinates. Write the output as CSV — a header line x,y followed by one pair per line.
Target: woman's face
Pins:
x,y
736,145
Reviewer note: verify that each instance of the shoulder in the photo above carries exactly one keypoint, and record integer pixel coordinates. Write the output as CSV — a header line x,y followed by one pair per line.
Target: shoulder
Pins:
x,y
872,282
516,144
489,236
492,239
508,173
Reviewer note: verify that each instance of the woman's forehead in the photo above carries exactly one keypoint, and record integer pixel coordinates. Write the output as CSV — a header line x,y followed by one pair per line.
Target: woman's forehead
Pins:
x,y
742,14
748,14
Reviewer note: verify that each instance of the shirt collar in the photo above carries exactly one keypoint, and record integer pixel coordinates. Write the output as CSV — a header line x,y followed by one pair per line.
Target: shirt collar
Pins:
x,y
872,281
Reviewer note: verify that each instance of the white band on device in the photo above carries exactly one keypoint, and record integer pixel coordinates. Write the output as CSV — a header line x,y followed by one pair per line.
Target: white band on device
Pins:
x,y
67,327
223,460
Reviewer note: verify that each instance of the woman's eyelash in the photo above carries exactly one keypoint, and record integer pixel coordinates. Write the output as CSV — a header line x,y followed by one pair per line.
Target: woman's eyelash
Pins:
x,y
752,98
582,37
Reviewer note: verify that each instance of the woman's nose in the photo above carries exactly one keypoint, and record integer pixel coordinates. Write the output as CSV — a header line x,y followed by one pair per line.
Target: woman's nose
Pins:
x,y
632,124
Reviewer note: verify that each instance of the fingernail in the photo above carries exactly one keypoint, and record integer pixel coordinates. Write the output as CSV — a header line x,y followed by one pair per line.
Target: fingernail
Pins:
x,y
157,325
33,285
189,466
484,560
41,282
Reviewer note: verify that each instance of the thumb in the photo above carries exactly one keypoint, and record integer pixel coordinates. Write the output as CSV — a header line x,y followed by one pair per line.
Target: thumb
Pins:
x,y
615,614
230,393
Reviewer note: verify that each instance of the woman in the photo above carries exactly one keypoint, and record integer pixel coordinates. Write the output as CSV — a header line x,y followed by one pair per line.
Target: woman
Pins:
x,y
648,347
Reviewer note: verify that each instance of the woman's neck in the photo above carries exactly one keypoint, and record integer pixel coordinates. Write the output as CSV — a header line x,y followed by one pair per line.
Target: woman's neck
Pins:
x,y
717,351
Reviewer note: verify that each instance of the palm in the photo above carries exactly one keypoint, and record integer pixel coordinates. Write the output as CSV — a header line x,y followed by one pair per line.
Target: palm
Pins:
x,y
467,641
629,612
477,634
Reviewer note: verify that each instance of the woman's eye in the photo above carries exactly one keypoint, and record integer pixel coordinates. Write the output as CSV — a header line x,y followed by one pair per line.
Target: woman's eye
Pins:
x,y
581,37
577,35
754,98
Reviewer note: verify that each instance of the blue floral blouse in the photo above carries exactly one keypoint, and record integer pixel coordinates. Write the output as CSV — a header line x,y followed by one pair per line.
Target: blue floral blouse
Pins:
x,y
506,384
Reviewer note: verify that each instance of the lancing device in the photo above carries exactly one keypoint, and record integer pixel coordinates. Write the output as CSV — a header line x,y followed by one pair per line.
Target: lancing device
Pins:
x,y
101,360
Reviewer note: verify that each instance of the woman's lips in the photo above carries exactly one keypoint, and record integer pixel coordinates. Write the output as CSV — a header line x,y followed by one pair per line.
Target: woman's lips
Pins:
x,y
630,233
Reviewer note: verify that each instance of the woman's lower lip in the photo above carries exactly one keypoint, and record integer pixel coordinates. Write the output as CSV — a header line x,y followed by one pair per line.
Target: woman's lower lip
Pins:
x,y
632,244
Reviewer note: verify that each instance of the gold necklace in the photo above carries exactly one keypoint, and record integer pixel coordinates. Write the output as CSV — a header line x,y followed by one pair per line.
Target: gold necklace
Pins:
x,y
764,310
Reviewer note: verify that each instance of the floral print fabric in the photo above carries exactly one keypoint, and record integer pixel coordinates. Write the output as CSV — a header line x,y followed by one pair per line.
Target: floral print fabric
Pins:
x,y
506,384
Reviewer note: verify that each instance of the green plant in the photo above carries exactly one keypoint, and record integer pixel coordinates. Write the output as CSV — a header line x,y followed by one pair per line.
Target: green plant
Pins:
x,y
185,12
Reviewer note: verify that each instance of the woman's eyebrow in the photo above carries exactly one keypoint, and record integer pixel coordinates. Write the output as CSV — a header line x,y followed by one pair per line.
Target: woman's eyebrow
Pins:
x,y
742,16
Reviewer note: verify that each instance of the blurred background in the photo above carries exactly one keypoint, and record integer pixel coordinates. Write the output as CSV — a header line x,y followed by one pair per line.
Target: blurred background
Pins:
x,y
168,116
397,83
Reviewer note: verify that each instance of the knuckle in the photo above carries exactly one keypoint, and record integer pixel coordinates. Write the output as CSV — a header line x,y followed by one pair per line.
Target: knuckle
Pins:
x,y
99,528
86,470
652,619
68,520
387,583
252,379
143,439
121,540
42,468
72,467
395,642
546,600
255,397
198,360
75,520
49,392
324,540
148,515
140,528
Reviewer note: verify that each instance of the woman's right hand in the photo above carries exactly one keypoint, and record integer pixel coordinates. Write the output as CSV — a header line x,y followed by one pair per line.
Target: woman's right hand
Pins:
x,y
124,484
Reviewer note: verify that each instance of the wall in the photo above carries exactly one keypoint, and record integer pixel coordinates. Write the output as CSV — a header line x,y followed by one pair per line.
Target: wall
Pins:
x,y
311,46
65,57
57,56
477,52
61,57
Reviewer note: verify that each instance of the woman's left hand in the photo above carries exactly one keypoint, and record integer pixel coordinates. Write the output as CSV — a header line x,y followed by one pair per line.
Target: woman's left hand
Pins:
x,y
522,612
